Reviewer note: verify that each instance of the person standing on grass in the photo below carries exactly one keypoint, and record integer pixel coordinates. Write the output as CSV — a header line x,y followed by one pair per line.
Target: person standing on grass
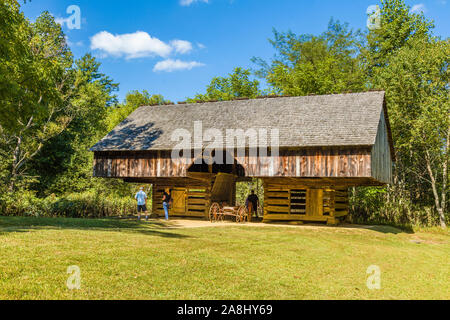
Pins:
x,y
167,198
141,198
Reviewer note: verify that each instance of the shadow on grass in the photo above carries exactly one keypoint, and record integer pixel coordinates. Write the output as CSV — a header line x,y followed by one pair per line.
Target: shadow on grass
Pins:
x,y
386,229
27,224
390,229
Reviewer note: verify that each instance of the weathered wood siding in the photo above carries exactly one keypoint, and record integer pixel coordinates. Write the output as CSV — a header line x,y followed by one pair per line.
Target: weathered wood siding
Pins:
x,y
137,165
381,158
307,163
311,163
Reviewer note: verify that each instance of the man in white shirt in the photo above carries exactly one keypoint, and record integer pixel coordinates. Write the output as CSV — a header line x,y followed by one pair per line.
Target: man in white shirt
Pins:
x,y
141,198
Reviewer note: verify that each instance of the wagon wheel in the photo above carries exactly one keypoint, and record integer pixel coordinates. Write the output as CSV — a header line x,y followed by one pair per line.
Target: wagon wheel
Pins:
x,y
221,216
214,212
242,214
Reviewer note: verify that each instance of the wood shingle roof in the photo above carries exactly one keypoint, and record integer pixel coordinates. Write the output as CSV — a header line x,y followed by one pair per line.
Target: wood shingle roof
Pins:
x,y
309,121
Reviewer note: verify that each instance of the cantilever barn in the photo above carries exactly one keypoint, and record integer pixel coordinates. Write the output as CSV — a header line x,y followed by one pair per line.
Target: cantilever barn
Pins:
x,y
326,145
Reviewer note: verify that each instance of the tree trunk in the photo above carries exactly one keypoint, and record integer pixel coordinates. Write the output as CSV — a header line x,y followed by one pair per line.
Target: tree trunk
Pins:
x,y
16,157
442,218
444,181
437,202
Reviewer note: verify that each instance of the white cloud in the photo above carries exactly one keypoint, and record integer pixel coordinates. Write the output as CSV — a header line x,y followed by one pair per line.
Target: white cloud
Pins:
x,y
130,45
201,45
170,65
187,3
418,8
181,46
137,45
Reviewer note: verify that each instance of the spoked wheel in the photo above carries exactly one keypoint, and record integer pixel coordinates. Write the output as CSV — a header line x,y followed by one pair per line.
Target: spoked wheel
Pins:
x,y
242,214
214,212
220,216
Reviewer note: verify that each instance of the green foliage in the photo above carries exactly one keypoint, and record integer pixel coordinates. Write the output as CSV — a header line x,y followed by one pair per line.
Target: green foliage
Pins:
x,y
36,87
133,100
244,189
308,64
88,72
404,59
416,82
398,26
76,205
236,85
390,205
64,165
53,110
15,66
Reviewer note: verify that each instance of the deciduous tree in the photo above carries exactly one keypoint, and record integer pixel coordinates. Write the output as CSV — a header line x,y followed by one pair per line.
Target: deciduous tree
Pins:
x,y
306,64
237,85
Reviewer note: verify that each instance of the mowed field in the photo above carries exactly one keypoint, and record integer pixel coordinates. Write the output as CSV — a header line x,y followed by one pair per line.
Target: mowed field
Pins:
x,y
123,259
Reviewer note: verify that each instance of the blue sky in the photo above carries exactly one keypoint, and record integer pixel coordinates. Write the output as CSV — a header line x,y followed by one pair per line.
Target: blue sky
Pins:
x,y
175,47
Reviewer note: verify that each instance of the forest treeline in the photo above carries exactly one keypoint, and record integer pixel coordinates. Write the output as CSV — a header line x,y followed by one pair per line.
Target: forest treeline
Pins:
x,y
54,108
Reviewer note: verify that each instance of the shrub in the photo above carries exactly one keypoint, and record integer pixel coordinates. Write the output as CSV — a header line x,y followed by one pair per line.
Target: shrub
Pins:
x,y
385,205
81,205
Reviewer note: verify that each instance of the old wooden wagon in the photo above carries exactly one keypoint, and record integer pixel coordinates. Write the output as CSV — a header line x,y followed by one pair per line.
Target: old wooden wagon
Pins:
x,y
219,213
326,145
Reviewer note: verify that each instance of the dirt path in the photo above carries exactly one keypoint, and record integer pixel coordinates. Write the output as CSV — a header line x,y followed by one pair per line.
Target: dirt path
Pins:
x,y
191,223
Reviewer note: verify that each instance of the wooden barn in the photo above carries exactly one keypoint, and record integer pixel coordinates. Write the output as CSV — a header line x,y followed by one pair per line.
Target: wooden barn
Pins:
x,y
326,144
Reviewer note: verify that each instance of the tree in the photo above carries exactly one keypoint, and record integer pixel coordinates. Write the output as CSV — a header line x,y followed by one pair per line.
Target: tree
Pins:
x,y
14,56
308,64
236,85
35,88
88,71
133,100
65,164
398,26
403,58
416,80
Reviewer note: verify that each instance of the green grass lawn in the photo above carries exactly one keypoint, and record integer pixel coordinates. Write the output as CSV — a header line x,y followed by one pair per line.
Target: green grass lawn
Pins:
x,y
121,259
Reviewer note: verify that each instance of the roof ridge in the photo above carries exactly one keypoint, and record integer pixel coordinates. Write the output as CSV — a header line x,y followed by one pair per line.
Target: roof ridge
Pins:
x,y
185,103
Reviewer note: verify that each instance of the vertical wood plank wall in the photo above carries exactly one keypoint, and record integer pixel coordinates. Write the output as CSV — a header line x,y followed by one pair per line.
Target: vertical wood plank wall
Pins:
x,y
308,163
311,163
381,158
